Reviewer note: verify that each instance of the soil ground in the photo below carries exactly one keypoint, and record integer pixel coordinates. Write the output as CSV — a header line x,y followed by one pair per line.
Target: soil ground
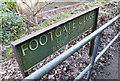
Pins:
x,y
112,71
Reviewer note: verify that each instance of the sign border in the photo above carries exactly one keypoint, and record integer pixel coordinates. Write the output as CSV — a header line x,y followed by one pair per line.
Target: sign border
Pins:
x,y
34,34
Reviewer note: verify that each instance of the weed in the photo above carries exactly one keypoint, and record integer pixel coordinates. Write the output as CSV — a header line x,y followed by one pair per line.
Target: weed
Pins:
x,y
8,53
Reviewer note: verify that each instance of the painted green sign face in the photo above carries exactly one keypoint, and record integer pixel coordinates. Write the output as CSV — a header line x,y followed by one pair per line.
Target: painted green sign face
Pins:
x,y
37,46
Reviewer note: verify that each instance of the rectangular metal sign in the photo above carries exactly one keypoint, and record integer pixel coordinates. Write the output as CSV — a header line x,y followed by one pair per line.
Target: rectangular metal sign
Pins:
x,y
35,47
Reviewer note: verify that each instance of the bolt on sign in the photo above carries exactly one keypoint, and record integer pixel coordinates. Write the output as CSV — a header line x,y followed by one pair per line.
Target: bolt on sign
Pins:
x,y
35,47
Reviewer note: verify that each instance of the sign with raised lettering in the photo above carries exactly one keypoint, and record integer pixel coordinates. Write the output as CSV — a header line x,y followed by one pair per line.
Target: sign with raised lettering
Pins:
x,y
37,46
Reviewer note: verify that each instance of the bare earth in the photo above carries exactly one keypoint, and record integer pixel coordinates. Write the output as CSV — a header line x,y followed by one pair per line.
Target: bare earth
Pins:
x,y
112,69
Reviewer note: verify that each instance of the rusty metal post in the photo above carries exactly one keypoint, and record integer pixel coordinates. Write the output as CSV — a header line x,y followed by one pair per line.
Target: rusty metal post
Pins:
x,y
93,29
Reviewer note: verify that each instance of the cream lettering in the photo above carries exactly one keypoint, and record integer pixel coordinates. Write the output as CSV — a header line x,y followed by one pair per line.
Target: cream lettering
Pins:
x,y
24,49
43,37
35,43
57,32
51,35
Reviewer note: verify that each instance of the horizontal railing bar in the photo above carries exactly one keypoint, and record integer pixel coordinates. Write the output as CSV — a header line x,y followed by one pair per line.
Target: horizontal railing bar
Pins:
x,y
82,73
52,64
105,49
101,53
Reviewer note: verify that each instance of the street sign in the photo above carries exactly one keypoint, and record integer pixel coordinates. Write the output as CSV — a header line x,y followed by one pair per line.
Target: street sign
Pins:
x,y
35,47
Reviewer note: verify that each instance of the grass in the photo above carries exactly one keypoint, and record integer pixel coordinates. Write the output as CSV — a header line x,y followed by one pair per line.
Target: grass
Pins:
x,y
1,57
8,53
57,18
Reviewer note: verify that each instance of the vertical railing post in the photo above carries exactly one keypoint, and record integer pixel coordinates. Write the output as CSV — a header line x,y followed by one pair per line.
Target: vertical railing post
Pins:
x,y
97,42
93,29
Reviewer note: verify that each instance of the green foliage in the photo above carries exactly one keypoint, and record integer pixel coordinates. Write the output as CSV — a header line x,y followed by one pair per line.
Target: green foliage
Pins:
x,y
11,6
12,25
1,57
8,53
54,19
2,7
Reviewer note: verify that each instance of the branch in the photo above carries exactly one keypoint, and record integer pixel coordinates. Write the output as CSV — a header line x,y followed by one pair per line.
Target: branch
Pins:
x,y
41,9
30,21
36,3
30,9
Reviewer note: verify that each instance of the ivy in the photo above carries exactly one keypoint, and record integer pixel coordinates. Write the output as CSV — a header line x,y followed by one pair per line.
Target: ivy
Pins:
x,y
12,25
12,6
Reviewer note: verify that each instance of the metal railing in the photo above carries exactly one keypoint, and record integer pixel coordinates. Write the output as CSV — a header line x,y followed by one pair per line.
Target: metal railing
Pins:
x,y
56,61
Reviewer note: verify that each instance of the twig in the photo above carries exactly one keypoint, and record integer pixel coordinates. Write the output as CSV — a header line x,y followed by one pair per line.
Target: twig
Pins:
x,y
30,9
41,9
36,3
30,21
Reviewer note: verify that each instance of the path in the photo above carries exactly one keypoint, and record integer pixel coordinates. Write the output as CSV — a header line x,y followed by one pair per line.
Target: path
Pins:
x,y
112,71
